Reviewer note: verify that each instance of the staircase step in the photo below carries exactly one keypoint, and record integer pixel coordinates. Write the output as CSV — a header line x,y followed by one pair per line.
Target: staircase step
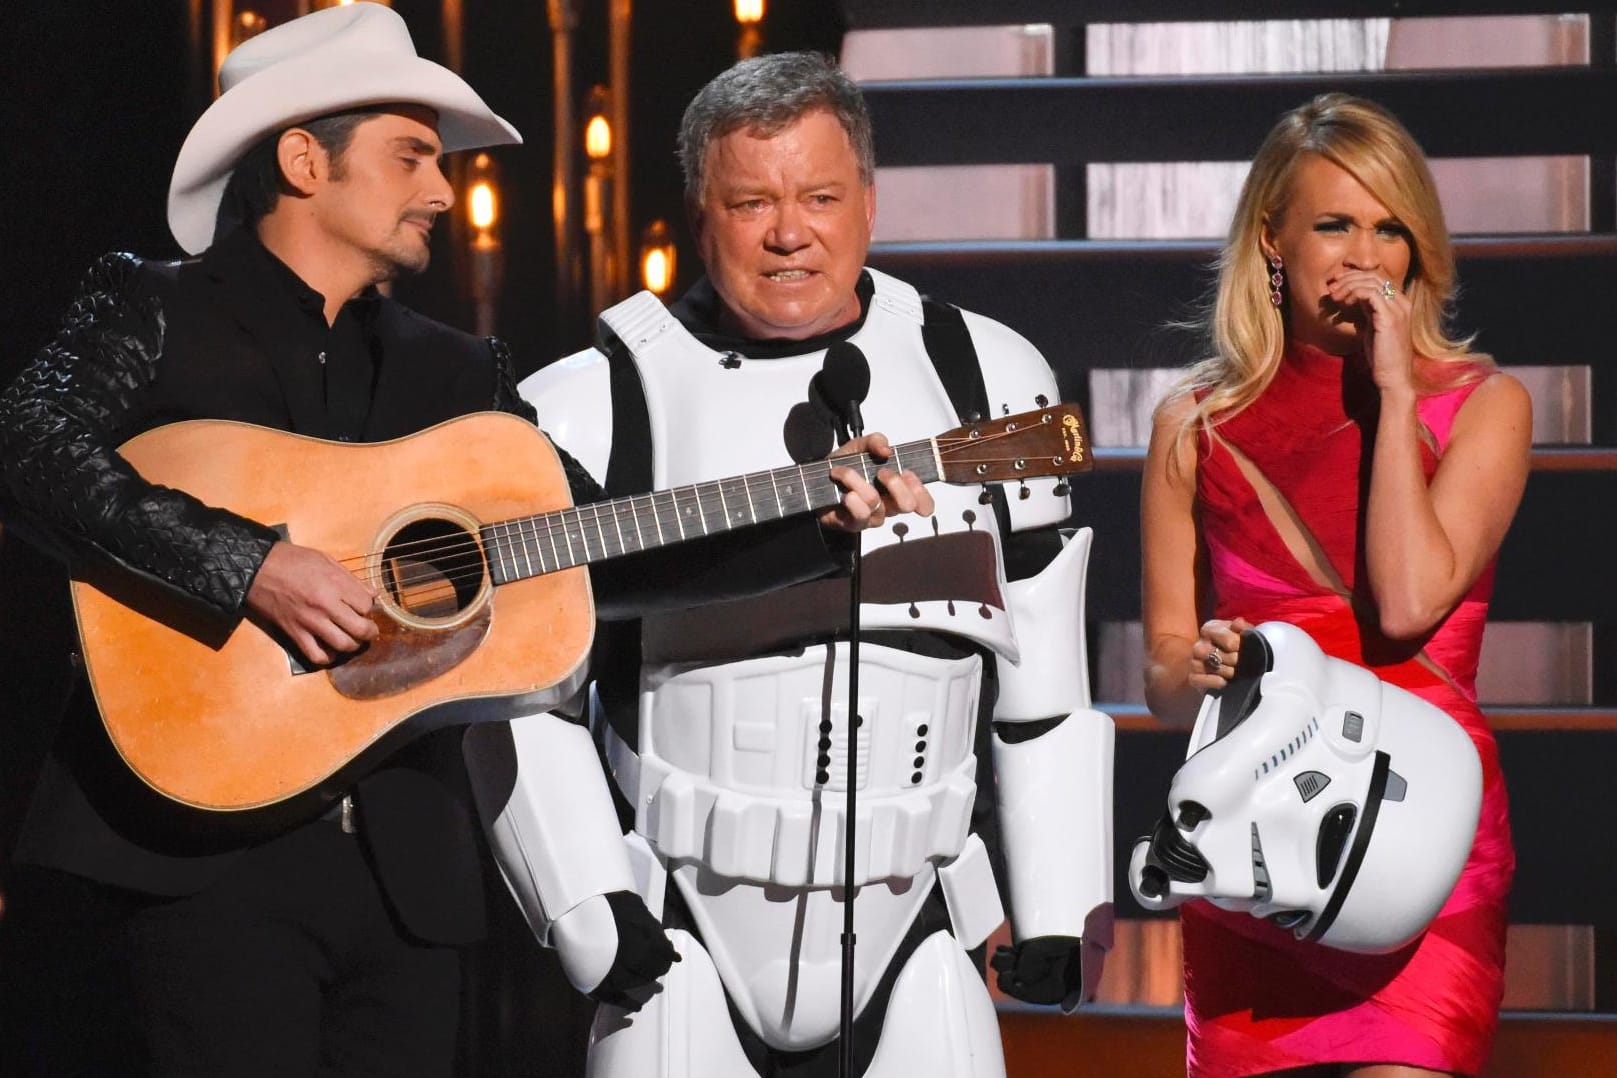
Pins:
x,y
896,14
1066,121
1150,1043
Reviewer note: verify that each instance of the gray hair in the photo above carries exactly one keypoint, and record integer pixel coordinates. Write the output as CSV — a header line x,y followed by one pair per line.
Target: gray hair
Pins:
x,y
765,95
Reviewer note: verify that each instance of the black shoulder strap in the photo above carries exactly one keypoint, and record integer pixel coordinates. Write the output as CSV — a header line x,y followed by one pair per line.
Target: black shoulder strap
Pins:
x,y
628,468
954,357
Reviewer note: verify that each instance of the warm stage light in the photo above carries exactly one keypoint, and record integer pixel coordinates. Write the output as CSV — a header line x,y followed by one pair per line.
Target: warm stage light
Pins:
x,y
657,258
749,12
483,206
482,194
598,138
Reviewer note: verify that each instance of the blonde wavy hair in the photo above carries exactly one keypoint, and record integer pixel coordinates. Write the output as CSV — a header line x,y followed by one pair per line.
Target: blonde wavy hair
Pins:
x,y
1249,333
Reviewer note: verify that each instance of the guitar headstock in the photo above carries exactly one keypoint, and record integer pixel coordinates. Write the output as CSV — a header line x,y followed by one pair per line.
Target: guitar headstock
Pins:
x,y
1028,445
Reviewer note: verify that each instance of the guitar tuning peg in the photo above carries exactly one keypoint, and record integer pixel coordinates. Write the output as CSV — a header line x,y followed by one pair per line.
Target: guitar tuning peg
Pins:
x,y
985,497
1023,494
1042,401
1061,489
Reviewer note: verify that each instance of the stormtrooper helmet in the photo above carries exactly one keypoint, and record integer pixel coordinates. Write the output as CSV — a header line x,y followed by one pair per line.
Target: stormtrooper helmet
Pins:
x,y
1319,797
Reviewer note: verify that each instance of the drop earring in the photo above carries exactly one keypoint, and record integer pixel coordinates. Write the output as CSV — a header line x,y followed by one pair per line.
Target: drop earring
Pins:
x,y
1277,280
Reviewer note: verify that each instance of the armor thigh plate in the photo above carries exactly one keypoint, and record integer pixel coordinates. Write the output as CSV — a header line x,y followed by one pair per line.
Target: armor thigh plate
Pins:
x,y
735,772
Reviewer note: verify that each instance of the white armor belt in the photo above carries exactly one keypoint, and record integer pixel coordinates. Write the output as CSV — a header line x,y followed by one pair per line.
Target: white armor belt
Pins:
x,y
731,771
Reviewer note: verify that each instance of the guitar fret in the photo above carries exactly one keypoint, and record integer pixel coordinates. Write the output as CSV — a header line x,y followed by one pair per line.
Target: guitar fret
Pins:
x,y
523,545
700,512
679,516
550,533
584,536
752,510
566,537
724,504
600,532
802,484
531,528
617,525
634,518
780,510
657,518
491,550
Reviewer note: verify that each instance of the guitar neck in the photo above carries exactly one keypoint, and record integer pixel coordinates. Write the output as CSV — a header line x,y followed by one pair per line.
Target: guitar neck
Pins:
x,y
531,546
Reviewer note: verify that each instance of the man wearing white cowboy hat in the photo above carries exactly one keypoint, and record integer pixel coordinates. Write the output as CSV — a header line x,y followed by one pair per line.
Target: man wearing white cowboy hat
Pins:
x,y
207,943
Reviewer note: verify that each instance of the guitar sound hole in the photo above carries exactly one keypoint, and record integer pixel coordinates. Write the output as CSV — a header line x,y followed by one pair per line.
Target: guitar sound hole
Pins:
x,y
432,569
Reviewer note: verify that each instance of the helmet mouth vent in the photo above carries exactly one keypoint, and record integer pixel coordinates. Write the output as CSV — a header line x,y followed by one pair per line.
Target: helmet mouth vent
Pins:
x,y
1289,919
1262,888
1178,858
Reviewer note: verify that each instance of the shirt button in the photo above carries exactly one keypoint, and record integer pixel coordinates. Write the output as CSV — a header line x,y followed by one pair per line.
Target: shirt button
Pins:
x,y
322,358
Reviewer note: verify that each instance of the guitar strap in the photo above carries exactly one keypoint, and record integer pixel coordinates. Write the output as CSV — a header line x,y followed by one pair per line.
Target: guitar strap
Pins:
x,y
954,356
628,468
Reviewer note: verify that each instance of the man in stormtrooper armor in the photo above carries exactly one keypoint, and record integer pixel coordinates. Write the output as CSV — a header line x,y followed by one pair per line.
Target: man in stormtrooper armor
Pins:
x,y
711,720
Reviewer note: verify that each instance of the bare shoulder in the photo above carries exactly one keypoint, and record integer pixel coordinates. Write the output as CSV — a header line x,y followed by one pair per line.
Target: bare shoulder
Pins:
x,y
1499,407
1174,411
1172,454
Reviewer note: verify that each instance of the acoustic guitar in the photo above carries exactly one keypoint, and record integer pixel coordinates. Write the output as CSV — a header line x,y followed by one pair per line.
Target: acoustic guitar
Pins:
x,y
468,533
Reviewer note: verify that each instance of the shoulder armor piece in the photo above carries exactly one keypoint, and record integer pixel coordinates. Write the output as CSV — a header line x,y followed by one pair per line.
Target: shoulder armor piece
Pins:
x,y
1018,379
573,399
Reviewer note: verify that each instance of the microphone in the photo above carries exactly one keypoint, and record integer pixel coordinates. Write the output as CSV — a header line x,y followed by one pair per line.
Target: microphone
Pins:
x,y
843,382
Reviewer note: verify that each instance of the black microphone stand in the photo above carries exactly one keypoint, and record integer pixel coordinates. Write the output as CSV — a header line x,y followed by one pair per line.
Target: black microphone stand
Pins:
x,y
853,429
841,385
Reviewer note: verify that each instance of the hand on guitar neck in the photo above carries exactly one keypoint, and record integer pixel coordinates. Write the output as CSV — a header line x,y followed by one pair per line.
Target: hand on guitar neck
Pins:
x,y
323,608
315,602
865,506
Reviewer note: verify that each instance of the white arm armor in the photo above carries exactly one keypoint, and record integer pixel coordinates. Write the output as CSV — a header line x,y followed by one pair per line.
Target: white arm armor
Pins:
x,y
555,836
573,397
1055,790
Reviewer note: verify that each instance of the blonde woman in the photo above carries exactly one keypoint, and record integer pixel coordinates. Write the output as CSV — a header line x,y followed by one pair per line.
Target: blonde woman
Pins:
x,y
1342,463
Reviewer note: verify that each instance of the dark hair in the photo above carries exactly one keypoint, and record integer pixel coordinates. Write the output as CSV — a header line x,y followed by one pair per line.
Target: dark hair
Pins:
x,y
256,183
766,95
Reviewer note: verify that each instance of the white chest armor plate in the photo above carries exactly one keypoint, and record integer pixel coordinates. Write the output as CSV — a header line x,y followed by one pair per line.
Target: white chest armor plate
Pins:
x,y
730,771
744,407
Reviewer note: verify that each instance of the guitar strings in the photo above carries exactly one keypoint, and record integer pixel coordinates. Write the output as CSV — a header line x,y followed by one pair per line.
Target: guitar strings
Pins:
x,y
627,503
752,483
445,584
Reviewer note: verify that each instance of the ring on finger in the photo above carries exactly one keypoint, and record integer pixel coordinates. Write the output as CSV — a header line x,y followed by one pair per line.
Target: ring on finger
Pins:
x,y
1214,661
1388,289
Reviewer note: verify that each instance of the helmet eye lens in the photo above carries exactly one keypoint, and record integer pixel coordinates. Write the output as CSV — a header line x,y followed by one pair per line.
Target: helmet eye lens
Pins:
x,y
1334,830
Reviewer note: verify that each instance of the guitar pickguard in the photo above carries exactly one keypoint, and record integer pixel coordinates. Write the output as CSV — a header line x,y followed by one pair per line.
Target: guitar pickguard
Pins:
x,y
403,656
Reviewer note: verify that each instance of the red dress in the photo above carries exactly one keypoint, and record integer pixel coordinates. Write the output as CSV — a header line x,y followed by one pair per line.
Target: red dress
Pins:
x,y
1281,489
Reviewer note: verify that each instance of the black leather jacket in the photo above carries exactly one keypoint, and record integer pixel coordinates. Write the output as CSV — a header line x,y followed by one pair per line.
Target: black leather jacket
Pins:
x,y
90,390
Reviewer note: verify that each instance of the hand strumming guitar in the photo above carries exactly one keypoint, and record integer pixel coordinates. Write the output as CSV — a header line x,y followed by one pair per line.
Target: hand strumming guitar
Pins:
x,y
315,603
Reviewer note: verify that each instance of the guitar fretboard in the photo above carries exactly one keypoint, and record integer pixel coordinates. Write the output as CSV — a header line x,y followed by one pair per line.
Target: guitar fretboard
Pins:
x,y
531,546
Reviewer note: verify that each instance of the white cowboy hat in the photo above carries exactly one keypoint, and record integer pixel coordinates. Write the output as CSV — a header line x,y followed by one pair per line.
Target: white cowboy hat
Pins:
x,y
334,59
